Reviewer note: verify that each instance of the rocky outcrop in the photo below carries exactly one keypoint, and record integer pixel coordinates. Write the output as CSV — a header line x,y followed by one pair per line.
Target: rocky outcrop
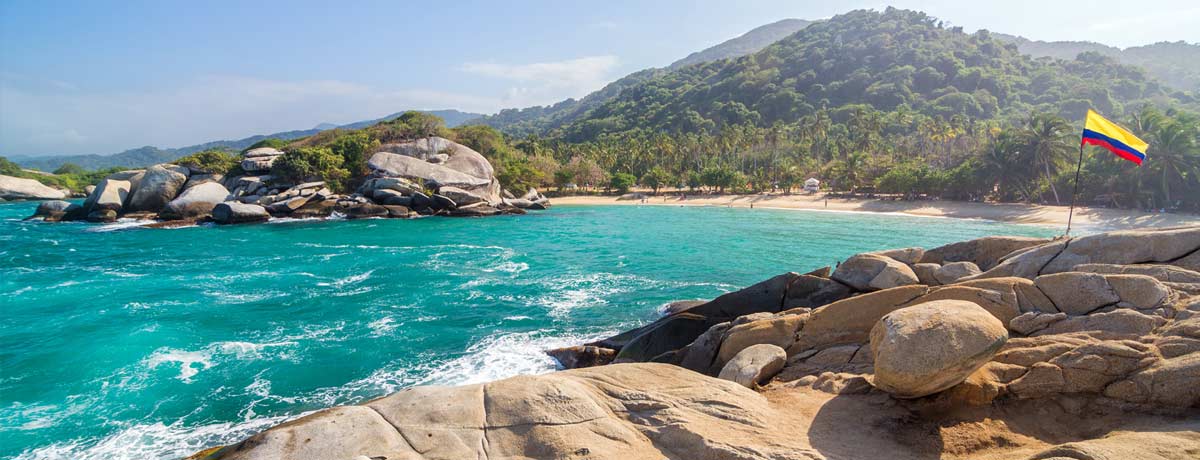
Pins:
x,y
633,411
976,367
260,160
909,365
440,163
16,188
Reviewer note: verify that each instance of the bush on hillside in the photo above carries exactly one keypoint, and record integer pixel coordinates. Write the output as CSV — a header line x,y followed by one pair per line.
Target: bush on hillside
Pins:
x,y
210,161
305,164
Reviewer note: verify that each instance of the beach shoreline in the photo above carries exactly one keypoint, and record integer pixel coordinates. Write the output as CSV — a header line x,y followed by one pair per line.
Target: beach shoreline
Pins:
x,y
1095,219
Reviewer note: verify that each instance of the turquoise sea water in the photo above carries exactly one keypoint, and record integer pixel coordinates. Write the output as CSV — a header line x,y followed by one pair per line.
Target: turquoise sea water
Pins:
x,y
119,342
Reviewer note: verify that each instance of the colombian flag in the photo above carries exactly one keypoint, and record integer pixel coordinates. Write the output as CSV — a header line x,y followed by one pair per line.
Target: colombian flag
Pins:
x,y
1099,131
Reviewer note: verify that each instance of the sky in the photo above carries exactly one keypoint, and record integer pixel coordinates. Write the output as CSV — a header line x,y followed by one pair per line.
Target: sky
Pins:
x,y
80,77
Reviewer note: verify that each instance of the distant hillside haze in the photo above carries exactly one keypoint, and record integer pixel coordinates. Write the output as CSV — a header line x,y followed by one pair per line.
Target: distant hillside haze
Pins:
x,y
1175,63
750,42
149,155
520,122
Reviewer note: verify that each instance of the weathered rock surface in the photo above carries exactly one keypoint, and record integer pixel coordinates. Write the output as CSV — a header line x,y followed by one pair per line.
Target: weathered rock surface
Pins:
x,y
109,194
196,201
260,159
232,212
17,188
158,186
930,347
954,271
872,272
983,252
754,365
583,413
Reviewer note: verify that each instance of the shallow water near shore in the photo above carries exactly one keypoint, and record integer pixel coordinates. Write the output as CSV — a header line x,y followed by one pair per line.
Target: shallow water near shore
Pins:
x,y
119,342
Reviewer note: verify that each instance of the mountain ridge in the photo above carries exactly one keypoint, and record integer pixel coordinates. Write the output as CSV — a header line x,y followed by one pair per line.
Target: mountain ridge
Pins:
x,y
148,155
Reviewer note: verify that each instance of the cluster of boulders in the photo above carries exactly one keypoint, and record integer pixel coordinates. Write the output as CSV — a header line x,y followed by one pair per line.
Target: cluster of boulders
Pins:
x,y
1108,321
430,176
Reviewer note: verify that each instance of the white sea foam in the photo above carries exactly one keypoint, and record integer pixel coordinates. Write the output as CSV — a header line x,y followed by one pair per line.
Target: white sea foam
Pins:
x,y
352,279
192,362
504,355
120,224
143,441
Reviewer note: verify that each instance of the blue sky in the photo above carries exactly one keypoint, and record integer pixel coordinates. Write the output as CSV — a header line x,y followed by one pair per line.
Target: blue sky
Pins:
x,y
101,77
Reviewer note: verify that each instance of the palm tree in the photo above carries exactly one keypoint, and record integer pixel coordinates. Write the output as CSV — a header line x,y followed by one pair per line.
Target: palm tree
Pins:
x,y
1047,136
1174,145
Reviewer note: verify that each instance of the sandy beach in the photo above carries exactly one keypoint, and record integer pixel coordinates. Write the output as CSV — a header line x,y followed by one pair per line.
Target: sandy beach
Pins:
x,y
1093,219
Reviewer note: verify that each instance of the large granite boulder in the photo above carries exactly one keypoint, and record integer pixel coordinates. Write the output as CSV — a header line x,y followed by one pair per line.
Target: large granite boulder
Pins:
x,y
850,320
232,212
984,252
1076,293
583,413
872,272
1127,247
55,210
754,365
440,163
16,188
196,201
158,186
926,348
109,194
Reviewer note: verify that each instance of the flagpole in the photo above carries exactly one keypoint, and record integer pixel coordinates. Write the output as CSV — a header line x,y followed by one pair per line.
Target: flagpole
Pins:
x,y
1078,167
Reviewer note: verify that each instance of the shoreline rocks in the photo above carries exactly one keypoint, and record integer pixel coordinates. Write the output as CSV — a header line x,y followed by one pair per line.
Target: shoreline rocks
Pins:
x,y
424,177
990,360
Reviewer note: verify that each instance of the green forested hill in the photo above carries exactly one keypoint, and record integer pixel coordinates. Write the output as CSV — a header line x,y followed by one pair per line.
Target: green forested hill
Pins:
x,y
891,60
538,119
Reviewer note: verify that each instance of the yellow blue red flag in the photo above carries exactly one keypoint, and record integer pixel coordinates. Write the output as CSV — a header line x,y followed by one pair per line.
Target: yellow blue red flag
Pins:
x,y
1101,132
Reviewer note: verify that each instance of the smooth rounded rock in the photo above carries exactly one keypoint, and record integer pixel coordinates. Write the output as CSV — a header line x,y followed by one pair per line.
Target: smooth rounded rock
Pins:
x,y
754,365
926,348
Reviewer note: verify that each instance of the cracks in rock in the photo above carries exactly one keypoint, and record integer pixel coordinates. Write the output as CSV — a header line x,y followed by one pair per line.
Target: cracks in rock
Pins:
x,y
394,427
1051,259
1188,254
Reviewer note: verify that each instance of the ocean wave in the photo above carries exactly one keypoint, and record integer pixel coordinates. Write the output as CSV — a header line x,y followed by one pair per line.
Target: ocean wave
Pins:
x,y
352,279
154,440
120,224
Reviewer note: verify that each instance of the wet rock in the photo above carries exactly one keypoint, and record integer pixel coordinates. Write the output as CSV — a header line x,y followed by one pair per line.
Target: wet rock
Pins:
x,y
232,212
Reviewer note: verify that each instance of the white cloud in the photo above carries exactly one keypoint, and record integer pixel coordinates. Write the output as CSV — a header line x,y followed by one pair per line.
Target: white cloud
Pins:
x,y
54,118
543,83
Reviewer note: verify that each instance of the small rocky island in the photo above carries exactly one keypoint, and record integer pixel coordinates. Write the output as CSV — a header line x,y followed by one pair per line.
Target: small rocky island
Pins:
x,y
422,177
1001,347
